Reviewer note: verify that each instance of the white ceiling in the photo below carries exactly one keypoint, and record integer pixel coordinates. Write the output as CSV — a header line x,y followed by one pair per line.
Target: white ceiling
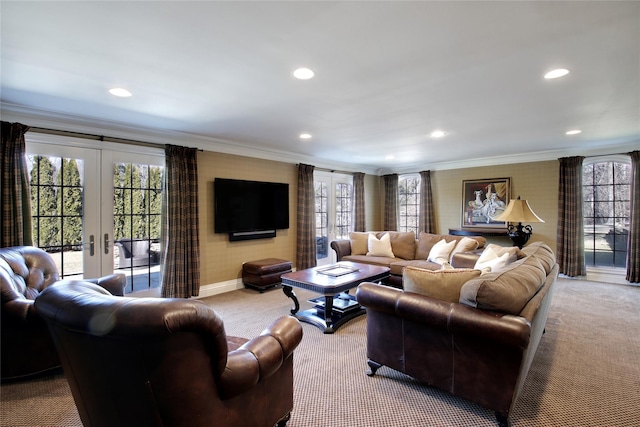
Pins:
x,y
387,74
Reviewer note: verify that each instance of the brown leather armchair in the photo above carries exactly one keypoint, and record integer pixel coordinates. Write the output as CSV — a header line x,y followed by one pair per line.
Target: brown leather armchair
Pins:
x,y
27,348
167,362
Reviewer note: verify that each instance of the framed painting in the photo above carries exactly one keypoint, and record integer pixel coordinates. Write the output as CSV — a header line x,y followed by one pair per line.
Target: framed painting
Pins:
x,y
483,200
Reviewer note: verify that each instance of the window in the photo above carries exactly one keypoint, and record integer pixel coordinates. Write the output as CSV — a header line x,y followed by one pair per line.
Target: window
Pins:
x,y
606,187
57,209
408,203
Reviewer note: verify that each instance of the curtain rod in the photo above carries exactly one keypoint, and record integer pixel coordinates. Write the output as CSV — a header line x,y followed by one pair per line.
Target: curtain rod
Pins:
x,y
331,170
95,137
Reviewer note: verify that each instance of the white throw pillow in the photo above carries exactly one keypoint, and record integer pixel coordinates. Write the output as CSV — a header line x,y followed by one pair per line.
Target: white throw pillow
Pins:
x,y
490,259
380,247
440,251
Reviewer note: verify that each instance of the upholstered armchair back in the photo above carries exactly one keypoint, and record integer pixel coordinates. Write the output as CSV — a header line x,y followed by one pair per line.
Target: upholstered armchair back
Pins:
x,y
26,345
167,362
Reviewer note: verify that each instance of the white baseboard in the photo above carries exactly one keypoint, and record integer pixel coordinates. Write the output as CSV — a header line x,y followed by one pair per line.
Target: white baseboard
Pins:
x,y
219,288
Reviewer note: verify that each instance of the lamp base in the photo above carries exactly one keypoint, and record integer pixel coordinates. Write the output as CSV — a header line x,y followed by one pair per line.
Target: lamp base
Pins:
x,y
519,234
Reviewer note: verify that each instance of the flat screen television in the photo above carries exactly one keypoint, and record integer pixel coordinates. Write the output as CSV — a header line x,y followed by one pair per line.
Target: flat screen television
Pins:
x,y
250,209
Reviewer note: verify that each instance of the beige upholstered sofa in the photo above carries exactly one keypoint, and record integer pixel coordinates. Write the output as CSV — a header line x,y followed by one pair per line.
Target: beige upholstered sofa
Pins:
x,y
406,251
477,340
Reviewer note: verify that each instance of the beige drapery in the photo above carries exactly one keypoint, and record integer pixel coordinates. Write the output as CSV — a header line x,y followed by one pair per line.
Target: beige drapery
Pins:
x,y
16,194
180,227
306,235
359,205
570,235
390,221
427,216
633,244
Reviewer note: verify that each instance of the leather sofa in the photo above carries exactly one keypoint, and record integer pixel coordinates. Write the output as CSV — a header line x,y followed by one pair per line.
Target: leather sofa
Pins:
x,y
27,348
479,347
407,251
167,362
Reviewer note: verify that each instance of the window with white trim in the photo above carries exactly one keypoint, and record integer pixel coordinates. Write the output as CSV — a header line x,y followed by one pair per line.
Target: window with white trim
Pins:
x,y
408,202
606,189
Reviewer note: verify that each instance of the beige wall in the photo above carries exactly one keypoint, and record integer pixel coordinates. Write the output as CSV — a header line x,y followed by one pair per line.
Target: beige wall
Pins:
x,y
221,260
537,182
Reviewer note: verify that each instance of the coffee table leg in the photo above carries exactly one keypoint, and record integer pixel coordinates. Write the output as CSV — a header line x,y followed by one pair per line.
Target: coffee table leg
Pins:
x,y
288,291
328,312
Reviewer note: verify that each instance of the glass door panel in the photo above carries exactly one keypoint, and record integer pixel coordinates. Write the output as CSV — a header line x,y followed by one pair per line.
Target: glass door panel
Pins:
x,y
334,212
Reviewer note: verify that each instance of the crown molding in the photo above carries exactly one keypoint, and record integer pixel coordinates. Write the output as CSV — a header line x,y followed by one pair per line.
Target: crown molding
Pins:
x,y
62,122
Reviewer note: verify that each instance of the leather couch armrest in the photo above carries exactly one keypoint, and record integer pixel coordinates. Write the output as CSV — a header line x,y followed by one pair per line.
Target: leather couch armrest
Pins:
x,y
457,319
260,357
342,248
114,283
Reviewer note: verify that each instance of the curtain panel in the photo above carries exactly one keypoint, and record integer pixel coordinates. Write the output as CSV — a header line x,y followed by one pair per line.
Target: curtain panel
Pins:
x,y
570,235
427,215
306,234
390,222
633,242
16,194
359,206
180,227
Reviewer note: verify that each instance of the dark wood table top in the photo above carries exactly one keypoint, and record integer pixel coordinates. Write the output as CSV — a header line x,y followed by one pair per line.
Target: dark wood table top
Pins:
x,y
315,279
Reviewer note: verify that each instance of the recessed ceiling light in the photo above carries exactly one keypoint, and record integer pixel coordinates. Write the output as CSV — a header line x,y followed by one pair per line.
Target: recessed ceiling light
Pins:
x,y
554,74
573,132
305,136
303,73
120,92
390,157
437,134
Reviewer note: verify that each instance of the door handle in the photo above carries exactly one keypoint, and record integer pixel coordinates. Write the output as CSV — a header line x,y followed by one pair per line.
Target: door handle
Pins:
x,y
106,243
91,245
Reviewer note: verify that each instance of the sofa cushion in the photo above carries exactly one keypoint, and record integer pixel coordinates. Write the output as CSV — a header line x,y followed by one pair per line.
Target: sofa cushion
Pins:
x,y
508,290
543,252
373,260
465,244
444,285
359,243
397,267
380,247
403,244
440,252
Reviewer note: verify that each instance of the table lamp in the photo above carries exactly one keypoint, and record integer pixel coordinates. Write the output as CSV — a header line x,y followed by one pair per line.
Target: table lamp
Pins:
x,y
519,211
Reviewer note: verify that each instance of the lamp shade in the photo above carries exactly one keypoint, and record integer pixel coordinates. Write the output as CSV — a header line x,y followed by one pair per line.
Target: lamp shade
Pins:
x,y
518,211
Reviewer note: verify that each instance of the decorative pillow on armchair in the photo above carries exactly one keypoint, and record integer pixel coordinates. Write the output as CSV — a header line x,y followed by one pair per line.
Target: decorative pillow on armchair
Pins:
x,y
443,284
380,247
464,245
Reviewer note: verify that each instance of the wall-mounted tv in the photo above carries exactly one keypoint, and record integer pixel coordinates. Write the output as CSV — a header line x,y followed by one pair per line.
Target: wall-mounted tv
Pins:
x,y
250,209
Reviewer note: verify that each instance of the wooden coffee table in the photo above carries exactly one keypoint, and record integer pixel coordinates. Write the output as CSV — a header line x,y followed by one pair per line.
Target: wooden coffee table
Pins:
x,y
335,306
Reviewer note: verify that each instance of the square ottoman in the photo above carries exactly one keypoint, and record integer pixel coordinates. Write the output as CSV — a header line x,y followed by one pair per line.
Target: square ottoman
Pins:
x,y
264,273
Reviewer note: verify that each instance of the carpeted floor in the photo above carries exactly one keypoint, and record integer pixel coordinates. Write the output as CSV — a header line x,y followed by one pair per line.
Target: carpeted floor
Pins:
x,y
586,371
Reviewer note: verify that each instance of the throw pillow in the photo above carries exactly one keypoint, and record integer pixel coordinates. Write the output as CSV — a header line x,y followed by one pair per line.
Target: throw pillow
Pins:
x,y
465,244
403,244
380,247
359,243
439,253
444,285
425,243
490,259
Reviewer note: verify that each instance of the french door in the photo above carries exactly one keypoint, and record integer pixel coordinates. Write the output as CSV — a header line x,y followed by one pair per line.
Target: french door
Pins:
x,y
97,210
334,212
